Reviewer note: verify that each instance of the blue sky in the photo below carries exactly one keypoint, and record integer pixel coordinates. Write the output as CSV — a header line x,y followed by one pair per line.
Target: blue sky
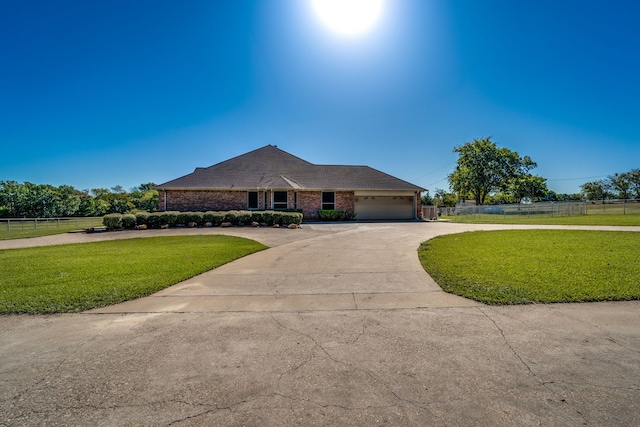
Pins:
x,y
97,94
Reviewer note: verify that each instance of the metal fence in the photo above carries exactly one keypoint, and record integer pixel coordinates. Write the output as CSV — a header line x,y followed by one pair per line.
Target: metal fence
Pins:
x,y
553,209
21,224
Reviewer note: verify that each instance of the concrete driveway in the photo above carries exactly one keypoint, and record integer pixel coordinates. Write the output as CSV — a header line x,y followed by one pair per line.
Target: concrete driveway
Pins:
x,y
334,325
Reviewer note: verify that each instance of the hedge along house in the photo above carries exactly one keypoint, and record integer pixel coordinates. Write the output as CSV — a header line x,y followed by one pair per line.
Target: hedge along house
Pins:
x,y
270,178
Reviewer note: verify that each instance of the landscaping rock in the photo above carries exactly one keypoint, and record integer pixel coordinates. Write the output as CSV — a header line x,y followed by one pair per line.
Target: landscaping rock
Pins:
x,y
192,224
164,226
208,224
255,224
141,227
226,224
276,225
294,226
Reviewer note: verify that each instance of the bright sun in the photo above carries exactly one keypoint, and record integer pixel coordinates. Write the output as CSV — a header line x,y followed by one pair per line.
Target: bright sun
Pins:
x,y
348,17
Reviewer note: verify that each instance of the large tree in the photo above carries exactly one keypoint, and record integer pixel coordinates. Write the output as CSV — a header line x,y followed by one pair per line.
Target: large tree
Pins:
x,y
484,168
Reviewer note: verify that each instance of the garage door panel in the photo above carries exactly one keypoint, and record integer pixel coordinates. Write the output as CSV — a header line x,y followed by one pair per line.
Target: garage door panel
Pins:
x,y
384,207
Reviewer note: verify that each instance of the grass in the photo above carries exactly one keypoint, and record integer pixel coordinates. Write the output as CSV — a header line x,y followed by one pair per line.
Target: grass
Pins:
x,y
536,266
72,278
20,229
589,219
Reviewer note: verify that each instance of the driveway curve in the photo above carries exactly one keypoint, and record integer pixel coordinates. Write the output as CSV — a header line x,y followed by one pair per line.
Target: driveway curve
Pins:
x,y
333,325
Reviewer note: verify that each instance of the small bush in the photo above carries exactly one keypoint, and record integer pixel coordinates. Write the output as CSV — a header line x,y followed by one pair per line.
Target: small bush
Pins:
x,y
268,217
349,216
129,221
112,221
330,214
183,218
218,218
197,217
155,219
244,217
286,218
231,216
169,218
141,218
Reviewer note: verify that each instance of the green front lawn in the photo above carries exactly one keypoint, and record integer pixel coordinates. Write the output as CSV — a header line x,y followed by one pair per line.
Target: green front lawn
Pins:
x,y
536,266
72,278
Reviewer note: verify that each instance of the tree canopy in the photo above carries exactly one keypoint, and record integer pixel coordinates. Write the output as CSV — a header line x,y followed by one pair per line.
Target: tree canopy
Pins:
x,y
483,168
28,200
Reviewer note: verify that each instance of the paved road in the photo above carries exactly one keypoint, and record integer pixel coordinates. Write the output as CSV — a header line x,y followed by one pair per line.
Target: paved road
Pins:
x,y
334,325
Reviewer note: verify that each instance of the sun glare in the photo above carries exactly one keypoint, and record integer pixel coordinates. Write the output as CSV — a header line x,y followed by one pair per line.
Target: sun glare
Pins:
x,y
348,17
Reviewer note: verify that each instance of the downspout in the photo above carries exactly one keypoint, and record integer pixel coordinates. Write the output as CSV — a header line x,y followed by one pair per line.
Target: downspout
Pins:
x,y
165,199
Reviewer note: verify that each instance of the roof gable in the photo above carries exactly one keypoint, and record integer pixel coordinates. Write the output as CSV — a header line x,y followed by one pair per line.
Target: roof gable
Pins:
x,y
271,168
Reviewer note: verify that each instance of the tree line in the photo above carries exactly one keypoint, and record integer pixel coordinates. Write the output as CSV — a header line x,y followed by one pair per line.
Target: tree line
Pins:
x,y
488,174
624,185
28,200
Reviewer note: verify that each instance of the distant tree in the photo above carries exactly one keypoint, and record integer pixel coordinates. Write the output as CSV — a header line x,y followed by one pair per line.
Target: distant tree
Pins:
x,y
68,201
147,186
145,198
443,198
426,199
595,190
501,199
11,194
621,184
529,186
484,168
634,179
99,192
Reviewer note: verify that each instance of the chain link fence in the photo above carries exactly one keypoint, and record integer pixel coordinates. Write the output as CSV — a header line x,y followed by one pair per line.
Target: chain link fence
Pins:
x,y
552,209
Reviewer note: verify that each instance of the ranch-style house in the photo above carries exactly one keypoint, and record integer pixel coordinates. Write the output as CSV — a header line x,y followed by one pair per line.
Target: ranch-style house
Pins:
x,y
270,178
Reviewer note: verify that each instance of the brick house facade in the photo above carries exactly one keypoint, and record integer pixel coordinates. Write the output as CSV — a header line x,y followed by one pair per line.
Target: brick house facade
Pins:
x,y
269,178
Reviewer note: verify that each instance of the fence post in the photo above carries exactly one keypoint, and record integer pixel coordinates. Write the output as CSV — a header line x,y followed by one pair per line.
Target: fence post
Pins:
x,y
35,224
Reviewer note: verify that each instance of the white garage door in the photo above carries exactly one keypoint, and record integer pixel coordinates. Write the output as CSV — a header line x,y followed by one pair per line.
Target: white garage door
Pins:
x,y
384,207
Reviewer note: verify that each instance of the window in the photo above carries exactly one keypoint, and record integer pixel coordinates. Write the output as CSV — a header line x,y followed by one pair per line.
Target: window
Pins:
x,y
328,200
253,200
279,200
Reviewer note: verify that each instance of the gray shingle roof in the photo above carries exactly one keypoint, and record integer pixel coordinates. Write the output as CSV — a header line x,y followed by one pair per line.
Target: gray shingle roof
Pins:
x,y
271,168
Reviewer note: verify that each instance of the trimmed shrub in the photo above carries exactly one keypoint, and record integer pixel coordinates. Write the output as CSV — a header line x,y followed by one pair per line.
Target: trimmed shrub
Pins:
x,y
129,221
183,218
170,218
141,218
287,218
155,219
218,218
349,216
112,221
268,217
196,217
244,217
256,216
330,214
231,216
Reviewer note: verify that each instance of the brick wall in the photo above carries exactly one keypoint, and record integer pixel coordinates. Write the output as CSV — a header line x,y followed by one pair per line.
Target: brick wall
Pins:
x,y
311,201
308,201
418,206
203,200
345,201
